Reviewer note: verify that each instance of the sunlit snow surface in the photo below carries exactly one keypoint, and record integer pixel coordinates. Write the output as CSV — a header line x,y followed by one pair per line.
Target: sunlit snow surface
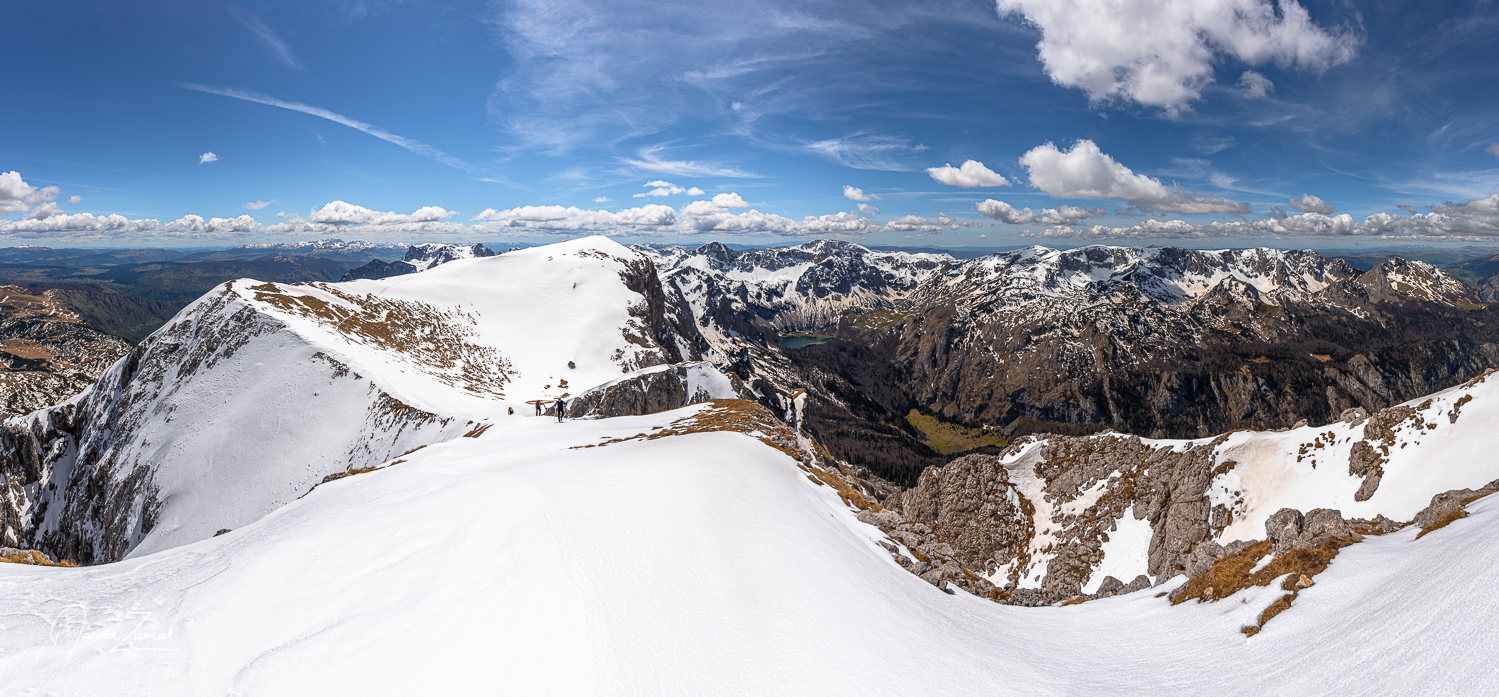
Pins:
x,y
696,564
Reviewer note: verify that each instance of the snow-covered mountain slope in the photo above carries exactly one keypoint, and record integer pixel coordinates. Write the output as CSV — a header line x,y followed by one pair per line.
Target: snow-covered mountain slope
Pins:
x,y
803,287
696,563
258,391
1053,517
419,257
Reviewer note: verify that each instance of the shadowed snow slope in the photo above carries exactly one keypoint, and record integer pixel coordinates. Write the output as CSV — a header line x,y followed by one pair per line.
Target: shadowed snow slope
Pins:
x,y
257,391
703,563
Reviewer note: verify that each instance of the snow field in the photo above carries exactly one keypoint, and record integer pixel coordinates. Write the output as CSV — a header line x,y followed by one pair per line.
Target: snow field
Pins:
x,y
696,564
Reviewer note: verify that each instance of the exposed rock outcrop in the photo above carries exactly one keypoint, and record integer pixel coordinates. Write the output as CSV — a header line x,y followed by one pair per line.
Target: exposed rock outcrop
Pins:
x,y
656,389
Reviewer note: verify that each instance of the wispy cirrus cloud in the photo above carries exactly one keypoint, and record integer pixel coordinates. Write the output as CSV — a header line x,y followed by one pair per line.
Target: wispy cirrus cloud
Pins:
x,y
415,146
266,36
650,159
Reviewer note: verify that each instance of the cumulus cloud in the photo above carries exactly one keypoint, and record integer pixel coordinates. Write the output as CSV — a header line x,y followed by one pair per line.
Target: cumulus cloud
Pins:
x,y
912,223
16,196
257,205
973,173
601,199
1161,53
1087,172
75,198
1254,85
1311,204
718,203
1061,215
560,219
341,213
854,193
1474,219
664,188
867,209
207,157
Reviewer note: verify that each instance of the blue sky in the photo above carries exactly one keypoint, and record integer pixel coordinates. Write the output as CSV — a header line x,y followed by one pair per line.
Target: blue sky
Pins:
x,y
1215,123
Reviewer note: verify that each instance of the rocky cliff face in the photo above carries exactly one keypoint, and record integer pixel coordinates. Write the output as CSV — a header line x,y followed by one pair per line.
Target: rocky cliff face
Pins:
x,y
1161,342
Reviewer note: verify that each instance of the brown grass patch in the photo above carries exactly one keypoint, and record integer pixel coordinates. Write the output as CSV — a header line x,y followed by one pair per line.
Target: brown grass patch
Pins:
x,y
1231,574
949,438
32,557
1442,522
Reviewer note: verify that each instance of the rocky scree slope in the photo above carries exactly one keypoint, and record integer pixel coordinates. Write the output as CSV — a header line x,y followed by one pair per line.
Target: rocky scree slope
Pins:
x,y
48,351
419,257
257,391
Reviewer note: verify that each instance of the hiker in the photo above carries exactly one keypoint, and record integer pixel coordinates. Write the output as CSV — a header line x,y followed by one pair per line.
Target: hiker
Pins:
x,y
510,410
560,406
538,407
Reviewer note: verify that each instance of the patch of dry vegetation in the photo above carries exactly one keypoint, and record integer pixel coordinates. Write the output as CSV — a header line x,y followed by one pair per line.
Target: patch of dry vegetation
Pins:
x,y
948,438
32,557
1231,574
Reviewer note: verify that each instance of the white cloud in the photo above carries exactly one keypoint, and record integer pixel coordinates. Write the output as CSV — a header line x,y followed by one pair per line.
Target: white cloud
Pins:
x,y
43,210
868,151
1493,149
16,196
1061,215
854,193
648,159
1311,204
1162,53
1255,85
267,37
912,223
341,213
665,188
754,222
973,173
1086,172
601,199
558,218
75,199
867,209
207,157
719,203
257,205
419,148
1474,219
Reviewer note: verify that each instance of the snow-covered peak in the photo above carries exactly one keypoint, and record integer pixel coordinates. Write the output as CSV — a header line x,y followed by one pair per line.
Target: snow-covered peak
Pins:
x,y
1168,275
426,256
258,390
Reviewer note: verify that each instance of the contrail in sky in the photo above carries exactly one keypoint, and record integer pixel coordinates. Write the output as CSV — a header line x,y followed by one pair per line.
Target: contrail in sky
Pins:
x,y
414,146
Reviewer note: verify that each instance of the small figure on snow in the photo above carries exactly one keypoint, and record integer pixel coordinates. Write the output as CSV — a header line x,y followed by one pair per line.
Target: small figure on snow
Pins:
x,y
560,407
510,410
